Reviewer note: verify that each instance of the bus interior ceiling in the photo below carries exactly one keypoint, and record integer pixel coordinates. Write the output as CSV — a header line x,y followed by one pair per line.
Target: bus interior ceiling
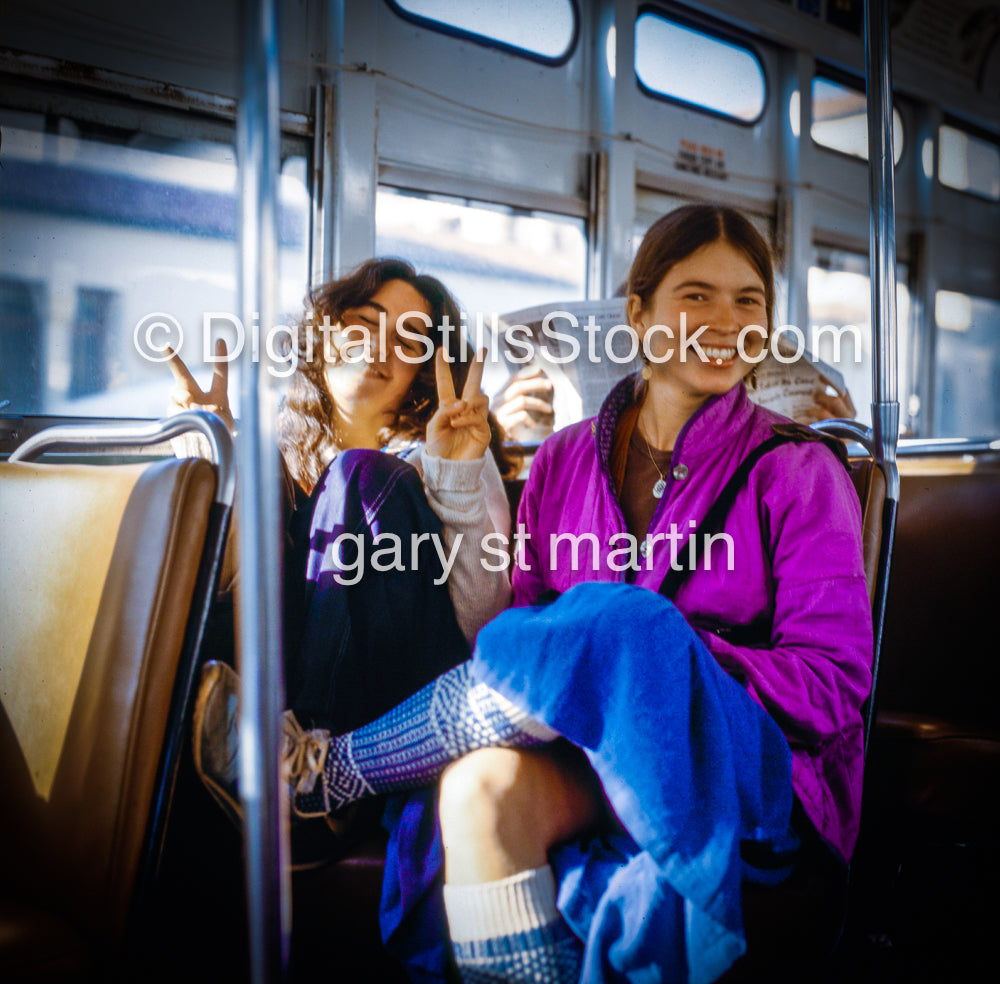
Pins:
x,y
520,155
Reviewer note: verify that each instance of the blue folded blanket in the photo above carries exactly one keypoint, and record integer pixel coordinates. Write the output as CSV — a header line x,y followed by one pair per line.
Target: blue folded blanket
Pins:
x,y
691,765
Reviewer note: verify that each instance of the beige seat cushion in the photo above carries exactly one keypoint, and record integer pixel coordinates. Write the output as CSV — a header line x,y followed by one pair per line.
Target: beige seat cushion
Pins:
x,y
97,569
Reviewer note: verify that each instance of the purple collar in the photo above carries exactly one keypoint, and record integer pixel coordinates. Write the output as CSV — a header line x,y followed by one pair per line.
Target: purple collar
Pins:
x,y
711,425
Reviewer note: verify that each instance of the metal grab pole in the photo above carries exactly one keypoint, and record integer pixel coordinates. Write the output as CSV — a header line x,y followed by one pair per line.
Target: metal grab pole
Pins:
x,y
881,229
882,253
262,692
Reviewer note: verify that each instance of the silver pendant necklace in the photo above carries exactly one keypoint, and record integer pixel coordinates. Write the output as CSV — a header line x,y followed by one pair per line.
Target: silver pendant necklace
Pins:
x,y
660,485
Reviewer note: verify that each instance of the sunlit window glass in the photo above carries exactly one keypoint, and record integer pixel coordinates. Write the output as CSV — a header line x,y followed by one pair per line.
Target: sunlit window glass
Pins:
x,y
840,299
107,249
696,68
968,163
967,366
492,257
541,28
840,120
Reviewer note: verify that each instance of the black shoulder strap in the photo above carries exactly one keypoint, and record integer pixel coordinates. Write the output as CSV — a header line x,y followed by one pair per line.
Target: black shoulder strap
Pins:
x,y
715,518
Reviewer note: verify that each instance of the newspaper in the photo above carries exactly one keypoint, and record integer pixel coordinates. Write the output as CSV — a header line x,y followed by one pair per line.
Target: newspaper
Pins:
x,y
789,388
585,347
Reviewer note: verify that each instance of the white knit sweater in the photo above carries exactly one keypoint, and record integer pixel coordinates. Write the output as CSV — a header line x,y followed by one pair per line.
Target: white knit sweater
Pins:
x,y
469,498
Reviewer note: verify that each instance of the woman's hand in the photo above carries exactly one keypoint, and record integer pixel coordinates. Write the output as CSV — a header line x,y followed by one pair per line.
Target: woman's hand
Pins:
x,y
459,429
525,409
827,406
188,395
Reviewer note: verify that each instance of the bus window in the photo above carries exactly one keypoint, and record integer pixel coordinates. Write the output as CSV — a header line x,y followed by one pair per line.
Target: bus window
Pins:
x,y
115,246
840,120
840,295
699,69
544,31
967,365
967,163
492,257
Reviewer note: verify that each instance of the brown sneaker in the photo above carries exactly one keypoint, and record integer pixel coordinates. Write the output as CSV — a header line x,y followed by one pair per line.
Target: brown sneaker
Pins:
x,y
216,749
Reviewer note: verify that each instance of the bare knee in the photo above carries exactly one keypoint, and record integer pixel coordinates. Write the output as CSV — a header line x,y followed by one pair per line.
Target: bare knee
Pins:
x,y
501,809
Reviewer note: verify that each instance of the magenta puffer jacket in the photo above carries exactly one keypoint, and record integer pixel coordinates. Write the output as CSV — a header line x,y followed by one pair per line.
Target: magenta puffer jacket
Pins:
x,y
796,560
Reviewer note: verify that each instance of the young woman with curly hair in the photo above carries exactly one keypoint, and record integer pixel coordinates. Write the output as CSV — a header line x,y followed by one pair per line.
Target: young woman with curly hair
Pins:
x,y
377,445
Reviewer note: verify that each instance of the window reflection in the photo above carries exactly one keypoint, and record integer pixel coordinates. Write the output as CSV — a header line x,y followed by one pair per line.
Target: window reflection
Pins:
x,y
967,366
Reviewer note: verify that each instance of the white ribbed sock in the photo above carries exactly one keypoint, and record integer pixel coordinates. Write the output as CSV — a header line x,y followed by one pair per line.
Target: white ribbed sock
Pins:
x,y
510,930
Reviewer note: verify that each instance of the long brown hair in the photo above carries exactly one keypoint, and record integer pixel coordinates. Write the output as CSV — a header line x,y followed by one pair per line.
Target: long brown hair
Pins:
x,y
676,235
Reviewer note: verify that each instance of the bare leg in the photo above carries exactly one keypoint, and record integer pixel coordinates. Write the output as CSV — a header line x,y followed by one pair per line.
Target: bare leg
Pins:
x,y
501,809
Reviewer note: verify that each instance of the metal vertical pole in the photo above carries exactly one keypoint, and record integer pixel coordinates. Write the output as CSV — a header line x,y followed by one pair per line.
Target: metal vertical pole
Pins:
x,y
881,228
265,812
882,255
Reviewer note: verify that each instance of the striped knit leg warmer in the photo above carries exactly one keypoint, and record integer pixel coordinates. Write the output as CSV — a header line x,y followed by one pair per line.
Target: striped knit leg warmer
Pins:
x,y
411,744
510,930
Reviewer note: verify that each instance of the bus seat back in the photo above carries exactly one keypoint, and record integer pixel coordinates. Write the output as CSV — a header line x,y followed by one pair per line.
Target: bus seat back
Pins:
x,y
97,572
940,640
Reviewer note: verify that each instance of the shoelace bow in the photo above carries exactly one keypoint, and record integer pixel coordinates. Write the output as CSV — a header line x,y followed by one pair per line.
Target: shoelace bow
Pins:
x,y
304,753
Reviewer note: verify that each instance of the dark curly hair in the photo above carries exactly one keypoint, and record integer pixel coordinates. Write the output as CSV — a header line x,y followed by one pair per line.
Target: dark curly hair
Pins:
x,y
305,422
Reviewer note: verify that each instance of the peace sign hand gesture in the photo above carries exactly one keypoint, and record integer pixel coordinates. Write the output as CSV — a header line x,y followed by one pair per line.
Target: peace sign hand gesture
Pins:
x,y
459,429
188,395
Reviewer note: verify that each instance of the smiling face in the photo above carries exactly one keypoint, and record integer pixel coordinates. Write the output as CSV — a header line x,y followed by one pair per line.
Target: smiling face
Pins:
x,y
378,387
716,286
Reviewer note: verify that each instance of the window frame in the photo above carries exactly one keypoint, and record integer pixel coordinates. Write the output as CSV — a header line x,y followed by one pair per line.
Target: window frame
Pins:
x,y
715,30
439,27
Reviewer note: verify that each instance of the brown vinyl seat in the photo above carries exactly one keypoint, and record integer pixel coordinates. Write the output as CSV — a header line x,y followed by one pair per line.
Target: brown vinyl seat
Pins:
x,y
869,482
929,855
936,750
100,568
